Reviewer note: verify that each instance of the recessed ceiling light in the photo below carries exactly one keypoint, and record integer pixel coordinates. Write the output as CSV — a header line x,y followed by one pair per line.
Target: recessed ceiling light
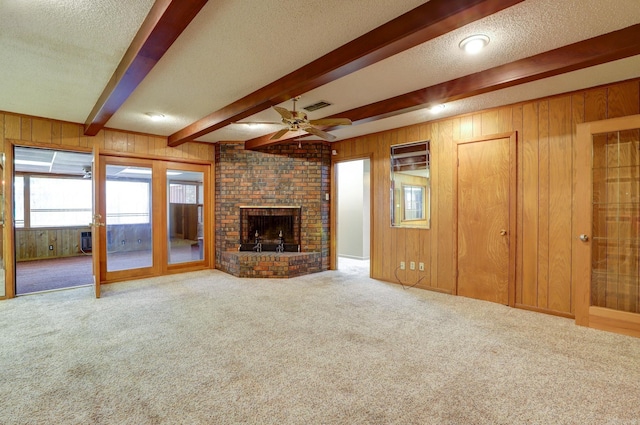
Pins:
x,y
474,43
154,116
436,108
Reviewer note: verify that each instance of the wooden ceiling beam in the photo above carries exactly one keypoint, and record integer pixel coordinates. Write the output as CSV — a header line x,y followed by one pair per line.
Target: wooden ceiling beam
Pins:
x,y
425,22
609,47
162,26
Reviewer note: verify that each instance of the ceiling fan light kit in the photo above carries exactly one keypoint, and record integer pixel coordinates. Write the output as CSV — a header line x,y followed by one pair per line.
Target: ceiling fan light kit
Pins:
x,y
298,121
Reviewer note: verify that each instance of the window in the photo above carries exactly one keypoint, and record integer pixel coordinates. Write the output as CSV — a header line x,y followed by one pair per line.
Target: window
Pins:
x,y
128,202
50,204
413,201
18,188
180,193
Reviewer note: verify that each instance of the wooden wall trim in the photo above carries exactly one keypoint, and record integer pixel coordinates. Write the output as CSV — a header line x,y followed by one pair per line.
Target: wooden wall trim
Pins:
x,y
544,310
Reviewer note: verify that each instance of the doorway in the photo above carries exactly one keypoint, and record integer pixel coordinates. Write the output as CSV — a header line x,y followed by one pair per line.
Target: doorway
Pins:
x,y
52,195
353,198
485,207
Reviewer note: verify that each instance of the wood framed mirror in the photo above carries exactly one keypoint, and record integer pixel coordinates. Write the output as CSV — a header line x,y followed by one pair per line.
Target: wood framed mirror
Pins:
x,y
410,185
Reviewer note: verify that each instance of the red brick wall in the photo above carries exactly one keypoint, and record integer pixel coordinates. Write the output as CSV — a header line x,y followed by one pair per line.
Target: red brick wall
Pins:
x,y
277,175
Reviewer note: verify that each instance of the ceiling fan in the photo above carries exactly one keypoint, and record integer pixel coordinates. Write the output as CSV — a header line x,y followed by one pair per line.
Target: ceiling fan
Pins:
x,y
297,120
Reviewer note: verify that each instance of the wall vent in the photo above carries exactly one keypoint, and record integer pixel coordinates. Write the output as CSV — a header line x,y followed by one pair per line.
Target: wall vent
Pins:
x,y
316,106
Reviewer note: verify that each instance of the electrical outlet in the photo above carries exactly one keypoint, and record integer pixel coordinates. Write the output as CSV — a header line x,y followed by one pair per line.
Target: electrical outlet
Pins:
x,y
401,265
421,267
412,265
50,247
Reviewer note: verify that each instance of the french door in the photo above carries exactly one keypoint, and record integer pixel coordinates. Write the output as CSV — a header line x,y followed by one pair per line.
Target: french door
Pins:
x,y
150,218
606,216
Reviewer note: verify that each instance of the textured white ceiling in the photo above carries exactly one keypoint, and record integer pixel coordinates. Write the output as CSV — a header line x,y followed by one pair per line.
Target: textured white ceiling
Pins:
x,y
57,57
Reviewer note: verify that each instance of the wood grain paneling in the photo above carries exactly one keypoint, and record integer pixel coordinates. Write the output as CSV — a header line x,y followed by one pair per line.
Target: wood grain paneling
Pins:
x,y
546,132
530,211
560,166
33,244
543,204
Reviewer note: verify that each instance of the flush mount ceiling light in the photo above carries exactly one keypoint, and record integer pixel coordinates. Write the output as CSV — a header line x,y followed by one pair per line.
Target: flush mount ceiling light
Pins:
x,y
436,108
154,116
474,43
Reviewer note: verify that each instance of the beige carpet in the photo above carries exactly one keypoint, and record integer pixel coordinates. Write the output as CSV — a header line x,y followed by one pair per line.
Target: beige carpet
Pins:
x,y
328,348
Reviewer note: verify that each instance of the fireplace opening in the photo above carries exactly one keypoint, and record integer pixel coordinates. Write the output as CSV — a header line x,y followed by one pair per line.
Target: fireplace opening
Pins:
x,y
270,229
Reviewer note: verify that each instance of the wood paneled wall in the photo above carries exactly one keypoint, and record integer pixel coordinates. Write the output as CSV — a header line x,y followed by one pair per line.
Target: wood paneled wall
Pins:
x,y
546,133
43,132
33,244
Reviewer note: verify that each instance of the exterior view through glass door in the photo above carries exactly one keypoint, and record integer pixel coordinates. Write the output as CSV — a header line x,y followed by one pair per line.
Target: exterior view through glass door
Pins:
x,y
129,221
185,212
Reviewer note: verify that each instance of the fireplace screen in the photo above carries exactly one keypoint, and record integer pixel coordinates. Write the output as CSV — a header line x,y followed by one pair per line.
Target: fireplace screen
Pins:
x,y
270,228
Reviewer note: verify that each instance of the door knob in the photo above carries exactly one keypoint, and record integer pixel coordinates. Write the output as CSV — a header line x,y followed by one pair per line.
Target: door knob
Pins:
x,y
583,237
503,232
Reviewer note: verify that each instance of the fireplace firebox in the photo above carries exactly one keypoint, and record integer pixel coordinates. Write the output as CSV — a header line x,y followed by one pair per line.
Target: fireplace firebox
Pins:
x,y
267,228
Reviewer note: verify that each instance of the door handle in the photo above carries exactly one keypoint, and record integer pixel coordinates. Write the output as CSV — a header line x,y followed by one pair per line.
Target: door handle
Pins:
x,y
583,237
503,232
96,221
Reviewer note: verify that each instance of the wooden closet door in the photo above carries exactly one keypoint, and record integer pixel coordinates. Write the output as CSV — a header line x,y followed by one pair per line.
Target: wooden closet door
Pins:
x,y
483,219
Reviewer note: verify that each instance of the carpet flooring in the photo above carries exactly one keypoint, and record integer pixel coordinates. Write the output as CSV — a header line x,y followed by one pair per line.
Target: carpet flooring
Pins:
x,y
68,272
329,348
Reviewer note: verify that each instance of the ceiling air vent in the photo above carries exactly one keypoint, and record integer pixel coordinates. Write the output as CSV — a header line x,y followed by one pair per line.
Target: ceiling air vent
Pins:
x,y
316,106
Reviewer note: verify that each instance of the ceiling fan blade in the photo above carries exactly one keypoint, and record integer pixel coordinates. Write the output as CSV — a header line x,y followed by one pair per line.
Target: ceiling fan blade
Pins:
x,y
331,121
279,134
258,122
322,134
285,113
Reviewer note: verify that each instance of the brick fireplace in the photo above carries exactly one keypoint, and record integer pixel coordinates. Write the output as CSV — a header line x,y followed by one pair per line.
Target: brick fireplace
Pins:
x,y
275,179
270,226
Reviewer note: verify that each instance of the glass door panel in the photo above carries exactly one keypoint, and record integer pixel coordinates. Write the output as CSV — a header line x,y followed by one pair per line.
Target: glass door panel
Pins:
x,y
128,202
615,265
185,216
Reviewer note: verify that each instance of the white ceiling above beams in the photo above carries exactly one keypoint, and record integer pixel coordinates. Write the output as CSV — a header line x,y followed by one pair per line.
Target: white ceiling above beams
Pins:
x,y
57,56
61,57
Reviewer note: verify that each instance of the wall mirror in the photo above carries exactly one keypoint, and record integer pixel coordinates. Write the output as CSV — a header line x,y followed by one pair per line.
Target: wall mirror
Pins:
x,y
410,185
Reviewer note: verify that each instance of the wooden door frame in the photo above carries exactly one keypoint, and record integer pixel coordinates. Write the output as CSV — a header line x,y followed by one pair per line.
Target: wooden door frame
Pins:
x,y
585,314
333,210
9,245
513,155
9,242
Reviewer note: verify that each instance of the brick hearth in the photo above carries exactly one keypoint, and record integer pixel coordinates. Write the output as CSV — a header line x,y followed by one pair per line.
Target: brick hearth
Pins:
x,y
270,264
